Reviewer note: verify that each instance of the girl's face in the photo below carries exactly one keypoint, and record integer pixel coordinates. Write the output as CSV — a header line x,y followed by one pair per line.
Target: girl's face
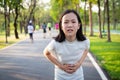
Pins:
x,y
70,25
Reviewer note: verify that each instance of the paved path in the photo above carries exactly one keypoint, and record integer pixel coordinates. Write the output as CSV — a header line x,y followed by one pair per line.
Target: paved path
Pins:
x,y
25,61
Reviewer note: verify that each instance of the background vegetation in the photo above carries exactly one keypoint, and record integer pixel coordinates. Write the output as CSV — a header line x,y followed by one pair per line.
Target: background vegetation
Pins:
x,y
107,54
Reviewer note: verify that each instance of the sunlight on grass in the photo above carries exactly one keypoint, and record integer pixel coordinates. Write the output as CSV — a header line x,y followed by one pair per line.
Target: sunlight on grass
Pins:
x,y
107,54
11,40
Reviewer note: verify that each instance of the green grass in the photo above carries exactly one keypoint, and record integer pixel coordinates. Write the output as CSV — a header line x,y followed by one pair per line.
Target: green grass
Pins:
x,y
107,54
11,40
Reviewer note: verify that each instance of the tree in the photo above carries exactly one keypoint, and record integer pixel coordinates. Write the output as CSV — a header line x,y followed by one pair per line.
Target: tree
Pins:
x,y
5,15
108,21
6,4
54,10
58,6
85,17
99,19
32,7
90,18
115,12
104,11
15,6
8,16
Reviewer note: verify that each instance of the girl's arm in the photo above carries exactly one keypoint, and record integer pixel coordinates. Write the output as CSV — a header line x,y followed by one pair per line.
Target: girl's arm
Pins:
x,y
82,58
53,59
50,57
75,66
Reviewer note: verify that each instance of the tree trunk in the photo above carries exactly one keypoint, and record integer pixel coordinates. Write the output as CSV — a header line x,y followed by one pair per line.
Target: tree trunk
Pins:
x,y
108,21
90,19
114,16
8,30
99,19
15,23
31,12
104,16
5,15
25,25
21,26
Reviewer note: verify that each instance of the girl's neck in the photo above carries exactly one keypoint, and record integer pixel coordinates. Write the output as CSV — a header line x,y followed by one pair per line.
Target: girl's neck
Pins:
x,y
70,38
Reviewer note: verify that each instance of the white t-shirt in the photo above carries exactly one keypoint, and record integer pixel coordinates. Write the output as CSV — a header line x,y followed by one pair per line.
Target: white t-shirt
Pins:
x,y
30,28
69,53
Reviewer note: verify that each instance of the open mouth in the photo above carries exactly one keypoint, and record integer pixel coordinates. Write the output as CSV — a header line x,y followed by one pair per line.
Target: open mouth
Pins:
x,y
69,30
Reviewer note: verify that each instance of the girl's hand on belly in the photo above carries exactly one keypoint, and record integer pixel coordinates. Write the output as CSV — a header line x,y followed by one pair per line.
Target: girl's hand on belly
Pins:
x,y
69,68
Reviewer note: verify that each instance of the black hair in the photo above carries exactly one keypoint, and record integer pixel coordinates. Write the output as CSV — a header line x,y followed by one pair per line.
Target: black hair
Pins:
x,y
30,23
79,35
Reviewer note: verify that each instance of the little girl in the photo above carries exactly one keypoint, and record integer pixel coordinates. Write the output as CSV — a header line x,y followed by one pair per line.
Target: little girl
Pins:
x,y
69,49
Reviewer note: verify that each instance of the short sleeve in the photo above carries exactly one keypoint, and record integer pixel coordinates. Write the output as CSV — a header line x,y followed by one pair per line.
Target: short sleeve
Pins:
x,y
87,43
51,47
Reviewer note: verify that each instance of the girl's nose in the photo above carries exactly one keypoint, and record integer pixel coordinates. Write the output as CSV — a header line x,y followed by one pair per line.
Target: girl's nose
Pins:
x,y
70,24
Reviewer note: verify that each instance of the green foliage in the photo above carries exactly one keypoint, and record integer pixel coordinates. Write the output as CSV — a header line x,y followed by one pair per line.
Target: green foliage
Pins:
x,y
55,10
58,6
93,1
108,54
81,13
2,23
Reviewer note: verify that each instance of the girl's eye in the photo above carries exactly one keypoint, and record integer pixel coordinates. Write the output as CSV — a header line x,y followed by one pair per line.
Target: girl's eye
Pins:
x,y
73,22
65,22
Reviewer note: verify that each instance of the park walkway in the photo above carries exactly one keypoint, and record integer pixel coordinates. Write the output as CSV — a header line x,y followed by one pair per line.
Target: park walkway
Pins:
x,y
25,61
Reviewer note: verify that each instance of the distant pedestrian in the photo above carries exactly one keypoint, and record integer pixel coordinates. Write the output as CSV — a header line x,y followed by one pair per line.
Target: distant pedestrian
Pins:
x,y
37,27
56,26
49,25
30,28
69,49
44,26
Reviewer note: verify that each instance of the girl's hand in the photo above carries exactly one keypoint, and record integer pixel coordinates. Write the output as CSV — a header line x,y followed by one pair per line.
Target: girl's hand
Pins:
x,y
69,68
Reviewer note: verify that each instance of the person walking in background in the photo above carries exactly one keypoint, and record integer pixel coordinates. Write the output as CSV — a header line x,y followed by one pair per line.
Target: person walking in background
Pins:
x,y
56,26
30,28
44,29
69,49
49,25
37,27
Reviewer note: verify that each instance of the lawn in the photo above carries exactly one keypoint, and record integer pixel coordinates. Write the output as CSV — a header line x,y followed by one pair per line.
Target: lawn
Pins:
x,y
107,54
11,40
